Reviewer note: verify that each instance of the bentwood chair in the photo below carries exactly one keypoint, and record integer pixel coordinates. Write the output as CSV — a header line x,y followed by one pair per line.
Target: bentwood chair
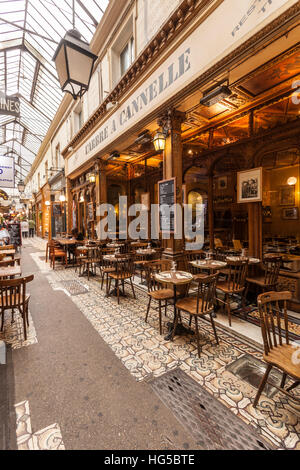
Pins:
x,y
91,261
124,272
278,350
13,297
106,266
268,280
56,252
156,290
199,306
234,284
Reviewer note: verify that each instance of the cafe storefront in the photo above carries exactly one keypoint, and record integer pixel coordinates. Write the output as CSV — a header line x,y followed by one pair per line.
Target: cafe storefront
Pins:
x,y
230,124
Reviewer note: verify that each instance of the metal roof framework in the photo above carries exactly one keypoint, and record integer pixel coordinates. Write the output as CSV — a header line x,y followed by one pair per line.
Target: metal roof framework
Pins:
x,y
29,33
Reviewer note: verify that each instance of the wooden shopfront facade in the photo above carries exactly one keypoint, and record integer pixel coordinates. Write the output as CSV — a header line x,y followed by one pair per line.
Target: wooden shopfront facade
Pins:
x,y
208,146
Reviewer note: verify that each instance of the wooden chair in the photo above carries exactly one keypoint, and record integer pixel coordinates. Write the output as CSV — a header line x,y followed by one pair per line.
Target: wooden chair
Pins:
x,y
124,271
55,251
156,290
237,246
219,244
278,351
90,261
7,247
199,306
234,284
106,267
268,280
13,297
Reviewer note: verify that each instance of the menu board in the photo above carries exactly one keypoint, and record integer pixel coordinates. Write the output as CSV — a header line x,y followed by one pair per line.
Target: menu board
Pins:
x,y
167,201
14,230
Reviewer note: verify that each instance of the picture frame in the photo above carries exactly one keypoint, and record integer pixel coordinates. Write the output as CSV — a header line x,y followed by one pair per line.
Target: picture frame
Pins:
x,y
222,182
287,195
249,185
290,213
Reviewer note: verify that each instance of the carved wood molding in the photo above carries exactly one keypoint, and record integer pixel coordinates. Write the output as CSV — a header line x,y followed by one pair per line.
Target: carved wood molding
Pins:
x,y
180,19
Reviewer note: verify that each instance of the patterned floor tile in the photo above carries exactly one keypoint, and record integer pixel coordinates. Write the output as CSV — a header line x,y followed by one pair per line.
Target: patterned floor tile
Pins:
x,y
49,438
146,354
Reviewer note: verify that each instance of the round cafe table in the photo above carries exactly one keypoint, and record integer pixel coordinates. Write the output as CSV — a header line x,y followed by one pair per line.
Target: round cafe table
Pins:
x,y
175,278
210,264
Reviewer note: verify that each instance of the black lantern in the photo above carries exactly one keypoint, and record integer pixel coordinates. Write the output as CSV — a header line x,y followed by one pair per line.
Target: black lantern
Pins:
x,y
74,63
21,186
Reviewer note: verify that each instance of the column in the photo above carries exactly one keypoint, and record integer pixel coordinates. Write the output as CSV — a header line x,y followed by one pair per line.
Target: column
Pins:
x,y
255,229
172,167
101,190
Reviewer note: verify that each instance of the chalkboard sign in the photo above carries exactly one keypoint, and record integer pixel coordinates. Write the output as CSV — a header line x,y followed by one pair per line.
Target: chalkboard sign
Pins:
x,y
167,199
14,230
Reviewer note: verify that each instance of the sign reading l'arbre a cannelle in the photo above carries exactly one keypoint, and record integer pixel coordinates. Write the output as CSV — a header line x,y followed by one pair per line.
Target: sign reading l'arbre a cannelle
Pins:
x,y
9,105
224,30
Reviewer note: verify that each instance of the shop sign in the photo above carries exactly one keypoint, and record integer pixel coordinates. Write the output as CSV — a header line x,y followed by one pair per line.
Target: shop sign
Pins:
x,y
216,37
7,172
9,105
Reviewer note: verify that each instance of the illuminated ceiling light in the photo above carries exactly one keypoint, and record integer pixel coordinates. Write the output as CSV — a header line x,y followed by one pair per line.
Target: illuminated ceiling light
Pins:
x,y
47,203
159,141
74,62
214,96
62,198
292,180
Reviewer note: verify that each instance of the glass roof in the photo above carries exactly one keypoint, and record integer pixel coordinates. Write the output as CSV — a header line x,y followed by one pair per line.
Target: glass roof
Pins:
x,y
29,33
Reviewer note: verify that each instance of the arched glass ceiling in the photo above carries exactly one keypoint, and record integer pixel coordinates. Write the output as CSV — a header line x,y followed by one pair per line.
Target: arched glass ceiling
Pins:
x,y
29,33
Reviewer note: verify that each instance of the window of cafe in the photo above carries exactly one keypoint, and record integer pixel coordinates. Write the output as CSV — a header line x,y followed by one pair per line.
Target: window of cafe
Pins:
x,y
281,227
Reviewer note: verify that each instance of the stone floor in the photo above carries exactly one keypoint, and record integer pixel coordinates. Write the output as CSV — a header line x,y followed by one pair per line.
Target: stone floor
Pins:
x,y
128,344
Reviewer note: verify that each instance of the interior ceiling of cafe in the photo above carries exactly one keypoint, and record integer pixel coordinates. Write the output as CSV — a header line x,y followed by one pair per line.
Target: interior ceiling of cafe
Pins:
x,y
29,34
264,89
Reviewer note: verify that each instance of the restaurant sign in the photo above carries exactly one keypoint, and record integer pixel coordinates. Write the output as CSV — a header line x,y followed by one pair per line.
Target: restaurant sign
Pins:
x,y
7,172
216,37
9,105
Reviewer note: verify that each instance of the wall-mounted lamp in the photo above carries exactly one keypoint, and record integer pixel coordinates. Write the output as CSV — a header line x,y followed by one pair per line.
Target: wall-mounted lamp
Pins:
x,y
47,203
292,180
92,177
159,141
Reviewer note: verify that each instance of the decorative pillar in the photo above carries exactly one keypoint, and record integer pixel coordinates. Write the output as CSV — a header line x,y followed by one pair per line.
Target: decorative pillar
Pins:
x,y
255,229
211,211
172,167
69,205
101,190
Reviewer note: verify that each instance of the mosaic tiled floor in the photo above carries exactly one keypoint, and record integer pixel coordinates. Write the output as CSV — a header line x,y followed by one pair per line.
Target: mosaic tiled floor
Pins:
x,y
13,332
294,326
146,355
49,438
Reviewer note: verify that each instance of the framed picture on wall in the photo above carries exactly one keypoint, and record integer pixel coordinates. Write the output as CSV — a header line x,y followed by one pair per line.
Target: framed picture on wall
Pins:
x,y
222,182
90,212
290,213
287,195
249,185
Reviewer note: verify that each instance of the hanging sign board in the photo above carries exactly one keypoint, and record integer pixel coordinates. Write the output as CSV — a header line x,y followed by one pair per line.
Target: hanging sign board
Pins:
x,y
9,105
7,172
167,201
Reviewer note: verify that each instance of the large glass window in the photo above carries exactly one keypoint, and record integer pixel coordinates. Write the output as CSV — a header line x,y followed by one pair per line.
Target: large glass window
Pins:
x,y
127,56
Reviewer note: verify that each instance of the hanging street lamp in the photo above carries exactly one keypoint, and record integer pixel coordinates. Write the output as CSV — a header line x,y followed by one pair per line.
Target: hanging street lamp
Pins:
x,y
21,186
74,62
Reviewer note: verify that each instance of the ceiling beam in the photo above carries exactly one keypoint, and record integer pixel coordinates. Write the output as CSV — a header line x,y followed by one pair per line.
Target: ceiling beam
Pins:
x,y
89,13
28,30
